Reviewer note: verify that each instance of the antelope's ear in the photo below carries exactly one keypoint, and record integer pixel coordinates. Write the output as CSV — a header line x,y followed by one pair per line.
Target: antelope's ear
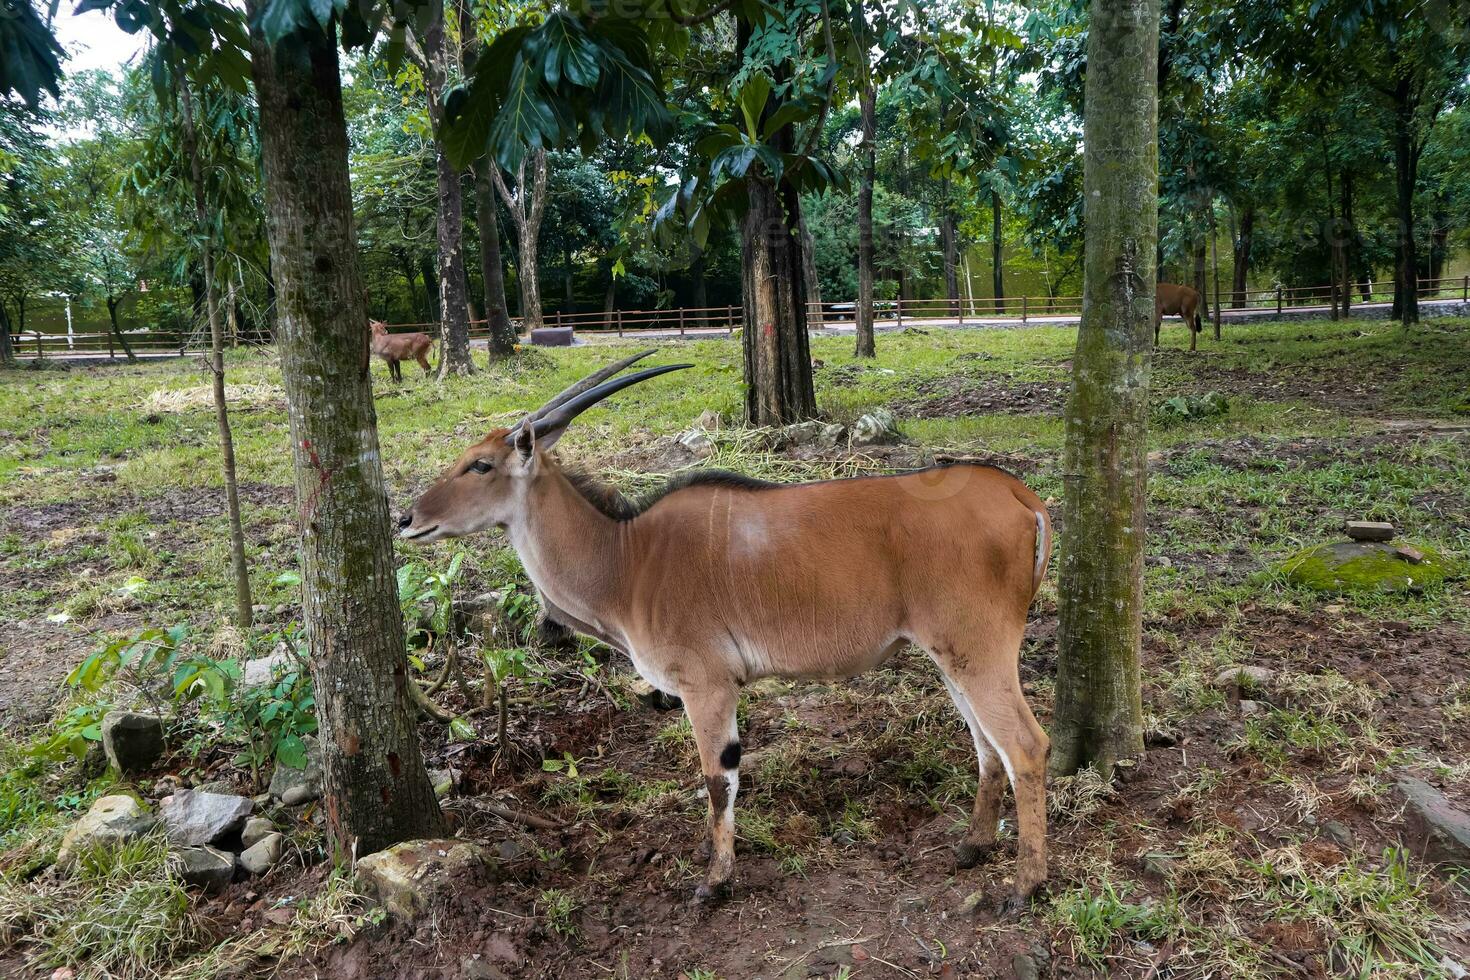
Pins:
x,y
526,442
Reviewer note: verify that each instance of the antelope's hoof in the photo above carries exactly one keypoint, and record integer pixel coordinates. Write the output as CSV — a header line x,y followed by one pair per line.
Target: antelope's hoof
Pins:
x,y
702,851
969,854
708,892
1018,901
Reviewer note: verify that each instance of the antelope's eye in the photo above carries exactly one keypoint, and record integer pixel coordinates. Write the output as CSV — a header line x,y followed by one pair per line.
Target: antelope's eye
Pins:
x,y
482,466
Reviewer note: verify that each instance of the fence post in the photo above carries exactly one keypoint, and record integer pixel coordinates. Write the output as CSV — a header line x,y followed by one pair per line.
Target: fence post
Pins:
x,y
1465,291
730,318
1278,300
961,306
619,316
681,321
111,354
898,305
1024,305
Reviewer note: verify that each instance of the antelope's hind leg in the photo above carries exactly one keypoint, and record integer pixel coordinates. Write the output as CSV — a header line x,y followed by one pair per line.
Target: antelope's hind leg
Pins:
x,y
991,685
711,713
979,840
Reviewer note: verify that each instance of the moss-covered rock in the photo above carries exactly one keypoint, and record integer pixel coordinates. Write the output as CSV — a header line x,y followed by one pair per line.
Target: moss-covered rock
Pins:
x,y
1367,566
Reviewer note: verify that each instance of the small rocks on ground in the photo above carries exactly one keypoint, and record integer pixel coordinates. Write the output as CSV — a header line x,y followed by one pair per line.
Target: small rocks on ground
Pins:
x,y
132,741
206,868
1025,967
193,818
264,854
876,428
1438,830
407,878
1369,530
256,830
294,787
1244,675
709,420
698,442
1250,709
111,820
264,670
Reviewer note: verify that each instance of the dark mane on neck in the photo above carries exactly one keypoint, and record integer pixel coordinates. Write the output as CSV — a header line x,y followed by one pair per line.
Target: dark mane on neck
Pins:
x,y
615,505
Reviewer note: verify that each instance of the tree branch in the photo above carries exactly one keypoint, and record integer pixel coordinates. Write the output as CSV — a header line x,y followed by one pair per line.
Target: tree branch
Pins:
x,y
696,19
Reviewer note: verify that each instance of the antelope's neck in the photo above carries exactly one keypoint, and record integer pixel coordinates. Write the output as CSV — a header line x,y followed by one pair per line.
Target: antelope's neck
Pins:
x,y
574,554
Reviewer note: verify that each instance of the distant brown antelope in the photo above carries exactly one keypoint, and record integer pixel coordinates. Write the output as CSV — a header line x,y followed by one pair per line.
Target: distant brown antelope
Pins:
x,y
396,347
1181,301
719,580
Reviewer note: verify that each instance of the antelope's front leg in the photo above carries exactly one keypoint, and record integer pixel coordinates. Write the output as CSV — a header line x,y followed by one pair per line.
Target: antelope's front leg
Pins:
x,y
711,711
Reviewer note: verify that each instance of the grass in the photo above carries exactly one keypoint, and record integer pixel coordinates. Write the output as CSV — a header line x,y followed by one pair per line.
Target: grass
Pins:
x,y
108,479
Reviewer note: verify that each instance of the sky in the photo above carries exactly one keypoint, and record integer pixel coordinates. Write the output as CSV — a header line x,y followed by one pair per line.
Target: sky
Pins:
x,y
93,40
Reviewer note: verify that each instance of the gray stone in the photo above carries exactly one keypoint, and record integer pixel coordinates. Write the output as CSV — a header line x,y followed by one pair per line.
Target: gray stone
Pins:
x,y
1438,830
294,787
221,786
408,878
442,781
264,670
475,968
1249,709
263,855
698,442
1159,865
832,436
193,819
111,820
1338,833
802,433
1025,967
1369,530
876,428
1244,676
132,741
709,420
206,868
256,830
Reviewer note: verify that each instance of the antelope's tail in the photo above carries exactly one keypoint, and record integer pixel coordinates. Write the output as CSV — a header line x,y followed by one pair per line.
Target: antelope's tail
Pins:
x,y
1043,550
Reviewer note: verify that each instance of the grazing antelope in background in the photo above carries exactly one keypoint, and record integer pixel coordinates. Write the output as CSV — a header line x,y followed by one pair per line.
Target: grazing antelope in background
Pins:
x,y
396,347
1181,301
719,580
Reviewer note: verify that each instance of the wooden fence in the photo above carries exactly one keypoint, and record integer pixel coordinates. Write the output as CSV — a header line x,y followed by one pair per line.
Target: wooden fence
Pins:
x,y
720,321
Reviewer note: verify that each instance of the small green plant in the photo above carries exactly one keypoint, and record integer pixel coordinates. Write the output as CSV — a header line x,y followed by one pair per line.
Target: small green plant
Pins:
x,y
1100,917
558,907
1183,409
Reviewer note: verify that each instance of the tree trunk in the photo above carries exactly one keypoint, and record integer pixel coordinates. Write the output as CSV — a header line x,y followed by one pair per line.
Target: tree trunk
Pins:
x,y
417,309
1242,256
1349,235
950,242
377,791
778,366
454,327
7,346
997,253
1215,266
492,268
569,291
526,208
244,616
867,153
112,304
1199,278
701,288
1099,711
809,272
1405,173
431,286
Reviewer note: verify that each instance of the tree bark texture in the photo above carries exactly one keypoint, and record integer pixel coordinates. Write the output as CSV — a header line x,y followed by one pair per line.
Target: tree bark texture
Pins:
x,y
868,153
377,791
1242,256
526,207
454,310
997,252
778,366
492,268
244,615
1406,175
1099,711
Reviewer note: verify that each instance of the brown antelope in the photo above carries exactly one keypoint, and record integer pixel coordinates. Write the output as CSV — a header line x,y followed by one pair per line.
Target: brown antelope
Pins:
x,y
719,580
396,347
1181,301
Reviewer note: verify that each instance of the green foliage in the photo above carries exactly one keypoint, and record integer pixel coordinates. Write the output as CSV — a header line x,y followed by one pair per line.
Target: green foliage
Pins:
x,y
1099,917
1183,409
1378,569
427,598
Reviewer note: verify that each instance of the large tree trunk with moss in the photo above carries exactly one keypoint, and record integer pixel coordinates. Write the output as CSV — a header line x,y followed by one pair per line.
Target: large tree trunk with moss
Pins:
x,y
492,268
377,791
868,154
1099,711
809,275
778,364
244,616
454,309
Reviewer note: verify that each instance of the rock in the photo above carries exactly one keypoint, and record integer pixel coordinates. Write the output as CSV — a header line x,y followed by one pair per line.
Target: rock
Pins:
x,y
1368,530
193,819
132,741
263,855
802,433
1338,832
294,787
698,442
479,614
111,820
256,830
832,436
1025,967
1250,709
876,428
1244,676
206,868
1452,969
1157,864
442,781
1367,566
409,877
475,968
265,670
1438,830
709,420
220,786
